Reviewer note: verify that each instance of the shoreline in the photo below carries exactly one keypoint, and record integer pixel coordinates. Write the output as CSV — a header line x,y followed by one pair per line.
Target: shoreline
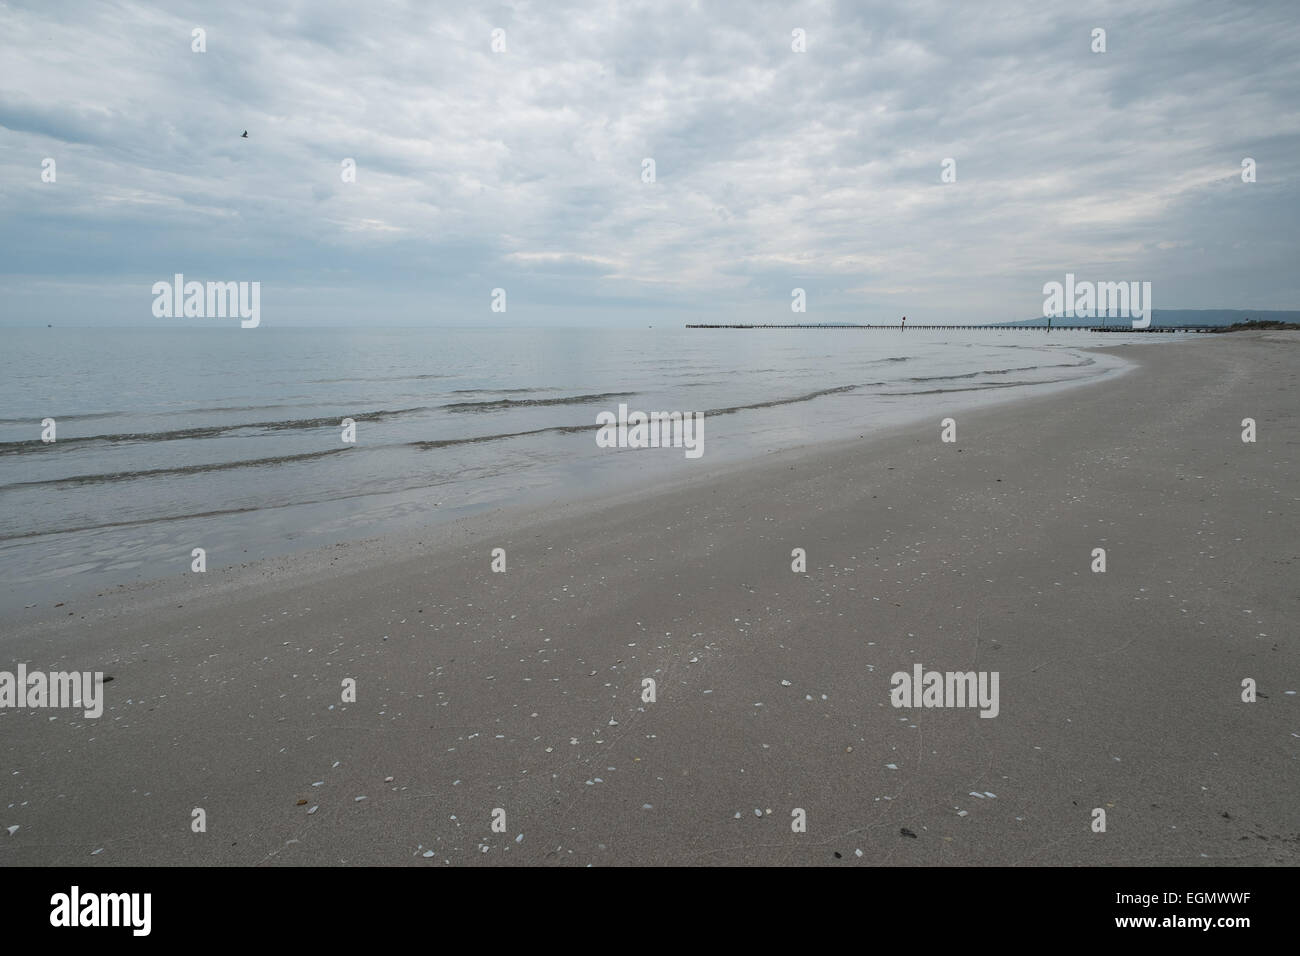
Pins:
x,y
85,586
1118,690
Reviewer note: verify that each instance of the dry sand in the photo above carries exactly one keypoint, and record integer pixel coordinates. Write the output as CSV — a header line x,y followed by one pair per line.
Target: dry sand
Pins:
x,y
522,690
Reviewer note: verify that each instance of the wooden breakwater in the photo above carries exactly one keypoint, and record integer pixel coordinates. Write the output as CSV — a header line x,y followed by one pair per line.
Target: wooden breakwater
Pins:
x,y
967,328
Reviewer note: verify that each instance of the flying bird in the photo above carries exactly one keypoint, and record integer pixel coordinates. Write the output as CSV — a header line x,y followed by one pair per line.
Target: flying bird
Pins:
x,y
245,136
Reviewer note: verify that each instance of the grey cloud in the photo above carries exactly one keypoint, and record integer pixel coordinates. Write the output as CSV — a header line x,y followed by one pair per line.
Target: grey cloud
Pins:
x,y
523,169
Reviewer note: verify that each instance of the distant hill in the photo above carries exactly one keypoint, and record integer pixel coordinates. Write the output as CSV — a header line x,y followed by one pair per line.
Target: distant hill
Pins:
x,y
1254,325
1184,318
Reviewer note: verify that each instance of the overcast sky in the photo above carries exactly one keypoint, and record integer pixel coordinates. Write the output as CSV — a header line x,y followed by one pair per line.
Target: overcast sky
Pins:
x,y
522,169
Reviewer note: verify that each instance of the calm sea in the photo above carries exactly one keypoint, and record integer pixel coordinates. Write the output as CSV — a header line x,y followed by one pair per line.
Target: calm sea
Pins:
x,y
230,439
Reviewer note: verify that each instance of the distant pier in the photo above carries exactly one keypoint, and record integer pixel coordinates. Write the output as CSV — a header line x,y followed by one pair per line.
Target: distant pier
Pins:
x,y
967,328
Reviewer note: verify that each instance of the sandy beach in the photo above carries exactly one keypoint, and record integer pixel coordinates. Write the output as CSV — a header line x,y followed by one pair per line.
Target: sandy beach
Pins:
x,y
523,691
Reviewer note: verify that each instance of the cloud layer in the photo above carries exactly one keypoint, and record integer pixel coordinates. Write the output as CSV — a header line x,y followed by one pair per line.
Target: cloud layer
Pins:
x,y
522,169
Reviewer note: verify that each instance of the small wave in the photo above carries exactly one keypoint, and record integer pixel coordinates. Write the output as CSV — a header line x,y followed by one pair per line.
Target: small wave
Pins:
x,y
75,480
997,371
499,403
206,431
941,378
972,388
128,523
378,378
497,391
475,439
807,397
571,429
80,417
232,408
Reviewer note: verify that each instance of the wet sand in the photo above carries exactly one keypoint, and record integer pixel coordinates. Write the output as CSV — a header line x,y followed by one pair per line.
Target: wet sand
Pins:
x,y
523,690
